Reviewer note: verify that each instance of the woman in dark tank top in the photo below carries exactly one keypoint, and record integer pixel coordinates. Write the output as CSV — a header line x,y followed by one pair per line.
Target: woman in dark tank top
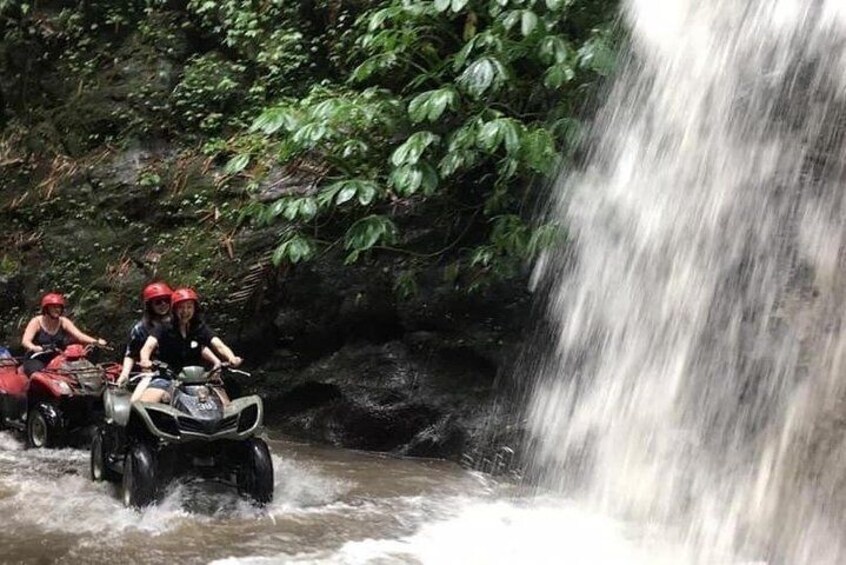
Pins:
x,y
51,331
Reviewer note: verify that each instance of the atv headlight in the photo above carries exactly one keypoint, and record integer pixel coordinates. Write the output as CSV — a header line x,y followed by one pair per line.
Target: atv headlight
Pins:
x,y
248,418
164,422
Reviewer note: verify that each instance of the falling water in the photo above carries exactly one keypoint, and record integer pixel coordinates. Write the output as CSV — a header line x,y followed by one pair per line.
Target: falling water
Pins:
x,y
698,377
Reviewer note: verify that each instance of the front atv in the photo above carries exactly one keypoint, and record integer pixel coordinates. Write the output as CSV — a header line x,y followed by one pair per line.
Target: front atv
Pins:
x,y
149,444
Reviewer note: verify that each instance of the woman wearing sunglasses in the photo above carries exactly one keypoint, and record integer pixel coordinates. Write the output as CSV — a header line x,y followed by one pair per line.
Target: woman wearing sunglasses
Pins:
x,y
156,299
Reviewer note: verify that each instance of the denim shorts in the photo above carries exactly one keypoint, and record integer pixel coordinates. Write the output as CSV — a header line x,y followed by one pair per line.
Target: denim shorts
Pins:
x,y
161,384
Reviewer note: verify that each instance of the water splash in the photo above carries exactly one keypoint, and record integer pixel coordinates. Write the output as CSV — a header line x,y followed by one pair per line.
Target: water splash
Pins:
x,y
697,375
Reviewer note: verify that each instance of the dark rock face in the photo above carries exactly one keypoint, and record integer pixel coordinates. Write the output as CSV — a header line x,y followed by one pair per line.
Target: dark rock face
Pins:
x,y
349,364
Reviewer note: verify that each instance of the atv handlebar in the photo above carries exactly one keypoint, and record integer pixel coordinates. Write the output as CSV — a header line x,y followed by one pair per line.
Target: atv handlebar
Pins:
x,y
227,368
159,368
53,350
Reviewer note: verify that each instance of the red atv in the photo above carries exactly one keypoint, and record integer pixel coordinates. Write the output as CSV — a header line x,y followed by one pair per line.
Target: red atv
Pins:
x,y
63,398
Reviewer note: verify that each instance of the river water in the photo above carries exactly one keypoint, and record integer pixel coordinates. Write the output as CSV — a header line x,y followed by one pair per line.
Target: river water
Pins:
x,y
331,506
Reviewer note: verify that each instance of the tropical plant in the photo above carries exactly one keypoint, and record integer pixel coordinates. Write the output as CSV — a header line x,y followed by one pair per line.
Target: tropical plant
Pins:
x,y
462,108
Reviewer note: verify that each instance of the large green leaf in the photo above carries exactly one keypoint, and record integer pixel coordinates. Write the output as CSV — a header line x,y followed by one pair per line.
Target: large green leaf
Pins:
x,y
528,22
557,75
596,54
368,231
458,5
237,164
273,119
408,179
294,249
409,152
538,150
554,49
484,74
499,131
431,104
365,191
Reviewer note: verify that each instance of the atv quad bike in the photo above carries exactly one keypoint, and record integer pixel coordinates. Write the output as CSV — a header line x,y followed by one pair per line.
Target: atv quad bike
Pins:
x,y
145,445
55,403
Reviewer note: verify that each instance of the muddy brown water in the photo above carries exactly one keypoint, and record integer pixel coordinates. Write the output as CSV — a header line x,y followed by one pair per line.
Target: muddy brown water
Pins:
x,y
325,499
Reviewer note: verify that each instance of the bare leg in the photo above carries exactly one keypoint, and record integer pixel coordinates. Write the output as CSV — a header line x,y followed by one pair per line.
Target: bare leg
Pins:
x,y
154,395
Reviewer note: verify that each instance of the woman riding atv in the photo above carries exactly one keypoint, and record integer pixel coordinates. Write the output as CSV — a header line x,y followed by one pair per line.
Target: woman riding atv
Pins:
x,y
156,300
181,344
49,332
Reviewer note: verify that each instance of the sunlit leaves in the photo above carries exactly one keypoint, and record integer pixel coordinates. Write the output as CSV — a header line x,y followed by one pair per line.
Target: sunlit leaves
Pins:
x,y
408,179
237,164
409,152
431,104
373,65
454,5
538,150
469,103
291,209
363,191
505,131
554,49
527,20
555,5
596,54
273,119
558,75
483,75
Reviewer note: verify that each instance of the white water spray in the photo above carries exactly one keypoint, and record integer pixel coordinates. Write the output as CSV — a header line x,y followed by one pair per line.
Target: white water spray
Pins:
x,y
697,378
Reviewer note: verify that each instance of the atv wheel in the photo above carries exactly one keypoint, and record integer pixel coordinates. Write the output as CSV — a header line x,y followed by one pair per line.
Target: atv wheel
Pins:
x,y
255,475
43,427
139,477
100,470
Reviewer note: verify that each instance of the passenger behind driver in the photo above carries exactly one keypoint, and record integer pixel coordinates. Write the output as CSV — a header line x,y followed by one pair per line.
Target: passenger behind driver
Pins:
x,y
180,344
51,331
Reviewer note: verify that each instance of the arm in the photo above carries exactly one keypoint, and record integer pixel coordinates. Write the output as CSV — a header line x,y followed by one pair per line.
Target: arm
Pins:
x,y
79,335
137,338
210,357
128,362
225,352
147,352
29,334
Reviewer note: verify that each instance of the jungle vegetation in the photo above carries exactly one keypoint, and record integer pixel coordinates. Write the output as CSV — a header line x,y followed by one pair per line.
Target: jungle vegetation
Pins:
x,y
396,118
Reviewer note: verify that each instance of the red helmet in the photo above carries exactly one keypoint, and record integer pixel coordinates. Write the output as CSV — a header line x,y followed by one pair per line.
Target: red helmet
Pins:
x,y
181,295
156,290
52,299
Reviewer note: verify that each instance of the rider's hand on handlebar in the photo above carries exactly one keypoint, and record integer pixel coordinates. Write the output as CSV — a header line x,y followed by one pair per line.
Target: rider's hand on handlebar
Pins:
x,y
122,380
146,365
235,361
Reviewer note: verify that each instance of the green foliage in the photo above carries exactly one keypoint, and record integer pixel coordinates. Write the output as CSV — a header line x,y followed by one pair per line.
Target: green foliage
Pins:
x,y
454,111
462,105
294,248
211,90
266,34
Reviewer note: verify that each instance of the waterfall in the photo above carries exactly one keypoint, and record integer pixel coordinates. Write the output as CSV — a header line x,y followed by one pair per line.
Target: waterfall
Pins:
x,y
697,375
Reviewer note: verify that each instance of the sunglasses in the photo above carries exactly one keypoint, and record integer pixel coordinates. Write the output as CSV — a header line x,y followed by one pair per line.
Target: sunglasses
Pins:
x,y
158,301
